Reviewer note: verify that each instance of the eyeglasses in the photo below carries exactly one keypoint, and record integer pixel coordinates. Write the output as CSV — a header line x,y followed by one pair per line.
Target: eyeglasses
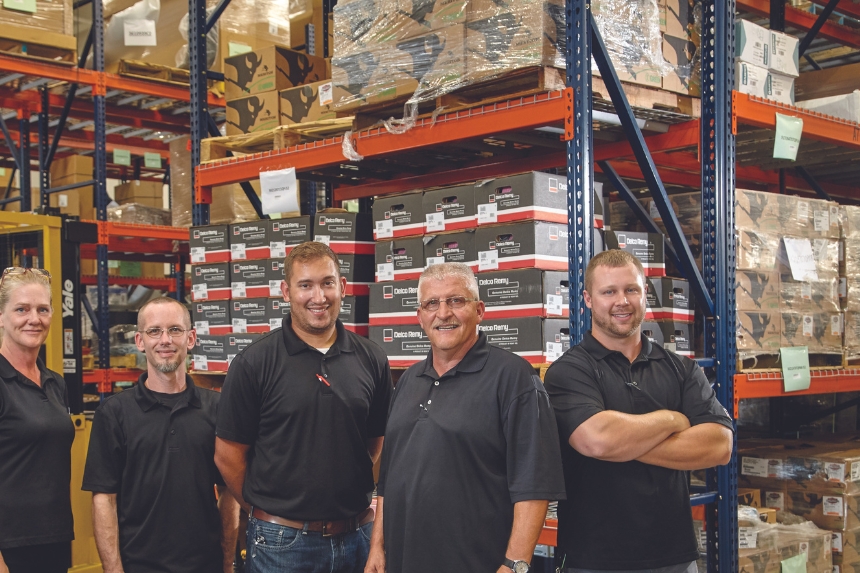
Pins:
x,y
432,304
156,332
12,271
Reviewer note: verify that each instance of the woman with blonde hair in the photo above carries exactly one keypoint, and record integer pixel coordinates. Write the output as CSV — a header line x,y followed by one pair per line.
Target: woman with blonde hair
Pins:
x,y
36,433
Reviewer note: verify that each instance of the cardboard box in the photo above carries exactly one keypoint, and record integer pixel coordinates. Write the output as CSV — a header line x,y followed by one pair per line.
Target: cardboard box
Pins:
x,y
275,276
236,343
808,296
751,79
524,292
758,561
249,315
354,312
311,102
403,344
400,259
758,332
786,214
210,281
253,113
210,353
784,54
250,279
394,303
270,69
211,317
531,196
44,19
849,221
537,244
449,209
451,248
250,241
752,44
767,514
821,332
647,247
756,291
276,310
535,339
757,251
674,336
847,546
828,511
284,234
680,18
686,78
780,88
210,244
345,233
358,271
398,216
149,193
749,496
75,202
668,299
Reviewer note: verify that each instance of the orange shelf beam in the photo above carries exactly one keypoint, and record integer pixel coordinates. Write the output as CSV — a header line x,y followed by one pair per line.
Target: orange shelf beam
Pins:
x,y
805,20
770,385
106,378
132,230
165,284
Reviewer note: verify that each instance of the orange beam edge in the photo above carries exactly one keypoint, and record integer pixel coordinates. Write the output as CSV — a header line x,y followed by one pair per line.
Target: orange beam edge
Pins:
x,y
770,385
805,21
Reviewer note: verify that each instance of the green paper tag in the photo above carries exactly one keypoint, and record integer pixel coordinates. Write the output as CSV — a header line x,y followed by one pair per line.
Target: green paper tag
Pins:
x,y
796,564
152,160
21,5
787,140
2,172
122,157
795,369
234,49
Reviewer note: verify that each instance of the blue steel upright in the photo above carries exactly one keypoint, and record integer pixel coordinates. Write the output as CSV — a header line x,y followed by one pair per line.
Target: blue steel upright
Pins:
x,y
24,150
100,187
580,163
718,256
199,98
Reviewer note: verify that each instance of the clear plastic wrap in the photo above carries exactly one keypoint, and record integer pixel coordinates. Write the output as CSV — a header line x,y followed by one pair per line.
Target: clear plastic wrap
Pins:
x,y
849,258
50,16
786,214
808,296
850,293
631,32
757,250
138,214
849,219
821,332
687,207
851,340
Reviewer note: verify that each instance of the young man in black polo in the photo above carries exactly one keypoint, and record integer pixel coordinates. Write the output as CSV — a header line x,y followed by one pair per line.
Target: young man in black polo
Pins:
x,y
471,453
150,463
301,421
633,418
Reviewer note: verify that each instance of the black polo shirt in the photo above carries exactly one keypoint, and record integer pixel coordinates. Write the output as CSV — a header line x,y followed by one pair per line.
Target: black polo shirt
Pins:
x,y
307,417
626,515
460,450
159,460
36,435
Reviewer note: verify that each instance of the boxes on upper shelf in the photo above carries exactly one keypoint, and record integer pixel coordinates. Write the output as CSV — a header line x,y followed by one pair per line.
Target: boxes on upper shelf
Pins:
x,y
400,259
751,79
537,340
524,292
780,88
398,216
668,299
310,102
347,233
249,315
253,113
449,209
758,332
149,193
752,43
250,241
394,303
820,331
451,248
671,335
756,291
211,317
270,69
647,247
210,244
75,202
403,344
284,234
784,54
529,196
535,244
260,278
358,270
210,281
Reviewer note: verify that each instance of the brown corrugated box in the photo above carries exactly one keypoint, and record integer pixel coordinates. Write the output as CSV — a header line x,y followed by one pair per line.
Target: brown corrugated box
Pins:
x,y
149,193
253,113
270,69
310,102
76,202
756,291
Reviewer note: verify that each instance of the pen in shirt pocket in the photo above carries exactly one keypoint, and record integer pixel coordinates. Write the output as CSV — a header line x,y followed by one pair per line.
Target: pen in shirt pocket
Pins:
x,y
323,380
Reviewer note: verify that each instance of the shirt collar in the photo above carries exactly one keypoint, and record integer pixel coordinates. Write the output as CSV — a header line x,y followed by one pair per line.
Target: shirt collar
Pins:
x,y
474,361
591,345
295,344
8,372
147,399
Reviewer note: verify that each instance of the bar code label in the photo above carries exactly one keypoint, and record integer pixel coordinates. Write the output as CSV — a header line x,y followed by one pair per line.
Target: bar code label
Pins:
x,y
553,305
201,362
237,252
487,213
435,222
240,325
201,326
277,249
488,260
198,254
238,290
384,229
384,272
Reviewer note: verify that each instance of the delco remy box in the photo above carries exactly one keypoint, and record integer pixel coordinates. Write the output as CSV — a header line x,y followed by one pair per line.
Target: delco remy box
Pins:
x,y
236,343
449,209
276,310
249,241
403,344
210,353
284,234
529,196
400,259
535,339
524,292
348,233
275,276
394,303
668,299
451,248
647,247
398,216
209,244
211,317
756,290
354,314
358,271
250,279
758,332
522,245
674,336
210,281
249,315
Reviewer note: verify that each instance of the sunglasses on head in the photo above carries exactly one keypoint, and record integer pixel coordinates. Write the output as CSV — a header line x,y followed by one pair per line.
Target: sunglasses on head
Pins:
x,y
13,271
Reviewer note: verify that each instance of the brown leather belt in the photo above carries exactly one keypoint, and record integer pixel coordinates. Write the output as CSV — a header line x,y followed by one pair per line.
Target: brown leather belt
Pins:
x,y
326,527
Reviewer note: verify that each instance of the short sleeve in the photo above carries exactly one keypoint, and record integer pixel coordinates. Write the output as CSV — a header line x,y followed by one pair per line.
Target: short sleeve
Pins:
x,y
699,402
378,414
106,454
533,453
239,407
573,392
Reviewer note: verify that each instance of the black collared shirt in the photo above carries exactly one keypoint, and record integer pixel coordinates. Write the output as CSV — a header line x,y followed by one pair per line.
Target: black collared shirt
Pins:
x,y
460,450
36,435
159,460
626,515
307,417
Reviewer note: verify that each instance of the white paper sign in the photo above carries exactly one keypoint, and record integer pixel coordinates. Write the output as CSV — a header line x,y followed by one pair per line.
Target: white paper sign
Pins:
x,y
237,290
553,305
279,191
487,213
836,324
800,259
275,288
198,254
384,272
384,229
201,362
747,538
435,222
200,291
237,252
277,249
836,541
240,325
488,260
139,33
63,200
201,326
755,467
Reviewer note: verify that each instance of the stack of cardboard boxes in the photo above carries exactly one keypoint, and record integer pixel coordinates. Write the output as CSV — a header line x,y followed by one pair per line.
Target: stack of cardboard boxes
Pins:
x,y
766,62
681,35
849,281
28,25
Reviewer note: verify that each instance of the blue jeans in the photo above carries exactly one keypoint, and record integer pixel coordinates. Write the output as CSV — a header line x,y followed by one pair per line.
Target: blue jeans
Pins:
x,y
273,548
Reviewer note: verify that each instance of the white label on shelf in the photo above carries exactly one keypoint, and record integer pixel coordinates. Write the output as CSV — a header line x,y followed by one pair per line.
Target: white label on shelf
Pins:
x,y
202,327
807,324
384,272
63,200
201,362
755,467
802,211
821,221
833,505
435,222
70,365
836,541
139,33
774,469
275,288
384,229
806,291
198,254
435,261
775,500
240,325
324,239
855,471
326,94
488,260
835,472
553,351
275,323
277,249
487,213
237,252
553,305
836,324
747,538
200,291
238,290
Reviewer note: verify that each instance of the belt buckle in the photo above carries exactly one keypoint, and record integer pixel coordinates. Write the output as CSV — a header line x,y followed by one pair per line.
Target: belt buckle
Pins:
x,y
325,532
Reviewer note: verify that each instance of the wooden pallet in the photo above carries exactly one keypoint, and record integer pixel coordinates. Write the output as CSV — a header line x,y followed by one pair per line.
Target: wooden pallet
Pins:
x,y
772,363
38,44
281,137
154,72
651,98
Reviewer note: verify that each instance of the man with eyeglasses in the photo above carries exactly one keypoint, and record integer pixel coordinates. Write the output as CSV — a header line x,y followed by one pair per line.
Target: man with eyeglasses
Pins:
x,y
471,455
150,463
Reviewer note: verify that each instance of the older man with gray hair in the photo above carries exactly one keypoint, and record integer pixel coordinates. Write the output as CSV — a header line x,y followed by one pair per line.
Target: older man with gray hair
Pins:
x,y
471,456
